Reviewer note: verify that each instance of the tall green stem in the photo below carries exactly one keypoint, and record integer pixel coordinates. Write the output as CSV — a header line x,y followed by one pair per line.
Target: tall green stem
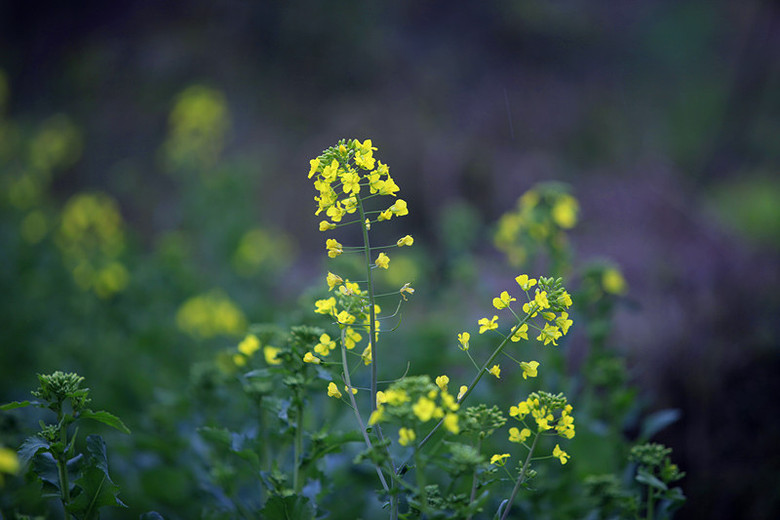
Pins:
x,y
62,461
520,479
372,315
298,448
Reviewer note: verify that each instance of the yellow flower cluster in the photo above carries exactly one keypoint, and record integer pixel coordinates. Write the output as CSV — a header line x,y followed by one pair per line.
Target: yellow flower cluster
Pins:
x,y
550,412
210,314
542,216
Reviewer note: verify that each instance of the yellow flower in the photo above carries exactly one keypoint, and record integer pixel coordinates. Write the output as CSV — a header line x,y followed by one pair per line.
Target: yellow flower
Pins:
x,y
239,360
314,166
549,334
344,317
354,390
326,226
333,280
325,306
563,322
561,455
442,381
496,371
613,282
520,411
389,187
350,288
333,247
487,324
565,299
9,461
333,390
311,358
405,241
518,436
406,436
351,338
269,353
564,212
520,333
462,391
529,369
249,345
376,415
366,355
463,339
382,261
499,460
385,215
399,208
503,301
325,345
406,289
451,423
541,299
424,409
524,282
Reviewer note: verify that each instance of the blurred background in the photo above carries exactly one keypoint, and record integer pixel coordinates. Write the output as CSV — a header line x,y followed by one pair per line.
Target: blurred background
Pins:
x,y
154,199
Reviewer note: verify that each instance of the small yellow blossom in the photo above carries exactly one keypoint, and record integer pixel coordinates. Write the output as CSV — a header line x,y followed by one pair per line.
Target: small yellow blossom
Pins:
x,y
311,358
385,215
366,355
487,324
549,334
314,166
350,288
406,289
442,381
249,345
451,423
520,333
389,187
353,390
503,301
269,353
334,247
564,211
406,436
376,416
463,339
565,299
344,317
424,409
613,282
524,282
325,306
520,411
529,369
499,460
516,435
239,360
541,300
382,261
326,226
325,345
399,208
496,371
561,455
462,391
333,390
333,280
563,322
351,338
368,225
405,241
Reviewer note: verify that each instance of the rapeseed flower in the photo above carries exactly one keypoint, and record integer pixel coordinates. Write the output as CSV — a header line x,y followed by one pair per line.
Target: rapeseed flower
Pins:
x,y
405,241
529,368
333,390
441,382
503,301
269,353
311,358
561,455
487,324
496,371
524,282
382,261
499,459
463,339
406,436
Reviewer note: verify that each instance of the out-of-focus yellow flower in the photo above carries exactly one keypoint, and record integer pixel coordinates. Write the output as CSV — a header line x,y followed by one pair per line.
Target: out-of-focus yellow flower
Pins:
x,y
613,282
210,314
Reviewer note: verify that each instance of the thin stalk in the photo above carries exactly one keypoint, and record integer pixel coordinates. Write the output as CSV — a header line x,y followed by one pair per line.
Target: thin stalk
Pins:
x,y
521,478
366,438
650,499
474,479
62,461
371,313
298,448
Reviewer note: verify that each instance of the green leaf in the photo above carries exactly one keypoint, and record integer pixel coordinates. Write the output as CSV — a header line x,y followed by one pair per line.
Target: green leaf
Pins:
x,y
106,418
30,447
657,421
96,488
18,404
219,436
292,507
644,477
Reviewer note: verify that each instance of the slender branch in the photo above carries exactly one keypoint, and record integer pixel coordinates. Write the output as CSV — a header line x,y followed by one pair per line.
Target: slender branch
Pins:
x,y
521,478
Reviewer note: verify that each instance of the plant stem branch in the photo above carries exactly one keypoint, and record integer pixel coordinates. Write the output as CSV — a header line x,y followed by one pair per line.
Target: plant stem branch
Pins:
x,y
521,478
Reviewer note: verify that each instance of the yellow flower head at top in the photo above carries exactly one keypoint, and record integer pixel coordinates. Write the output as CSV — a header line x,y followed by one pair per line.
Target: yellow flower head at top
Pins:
x,y
442,381
524,282
496,371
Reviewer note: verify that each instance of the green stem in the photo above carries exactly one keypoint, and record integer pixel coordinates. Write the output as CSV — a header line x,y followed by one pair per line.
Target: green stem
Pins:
x,y
62,461
372,315
650,499
474,479
521,478
298,448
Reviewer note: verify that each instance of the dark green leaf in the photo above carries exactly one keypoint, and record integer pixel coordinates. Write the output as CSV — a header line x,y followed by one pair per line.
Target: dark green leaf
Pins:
x,y
219,436
646,478
287,508
30,447
18,404
96,488
106,418
657,421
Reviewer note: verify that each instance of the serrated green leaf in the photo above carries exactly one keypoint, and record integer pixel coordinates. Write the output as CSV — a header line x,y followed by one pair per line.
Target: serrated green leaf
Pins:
x,y
292,507
106,418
